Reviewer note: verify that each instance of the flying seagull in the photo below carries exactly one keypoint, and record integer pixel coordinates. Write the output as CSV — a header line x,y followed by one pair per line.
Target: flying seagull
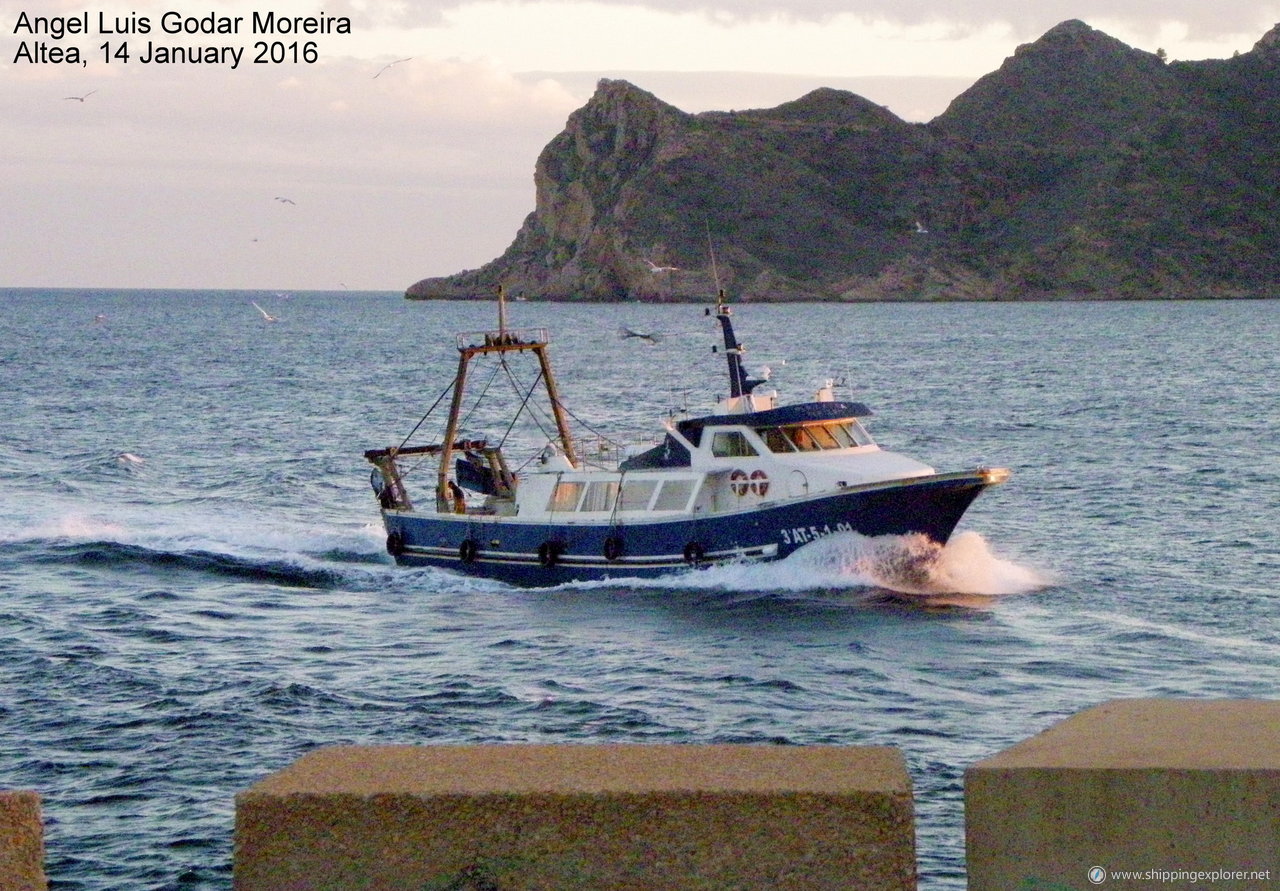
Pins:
x,y
266,316
80,98
624,333
388,65
920,229
286,201
656,269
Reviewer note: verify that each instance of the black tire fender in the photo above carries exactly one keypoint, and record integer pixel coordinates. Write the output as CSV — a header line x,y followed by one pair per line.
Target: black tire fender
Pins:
x,y
395,543
467,550
614,547
549,553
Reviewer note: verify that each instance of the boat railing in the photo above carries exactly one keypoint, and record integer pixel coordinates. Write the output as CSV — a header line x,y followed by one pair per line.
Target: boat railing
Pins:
x,y
510,338
607,453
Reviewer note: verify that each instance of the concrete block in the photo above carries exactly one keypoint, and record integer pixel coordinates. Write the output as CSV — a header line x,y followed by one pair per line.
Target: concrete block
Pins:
x,y
516,817
21,842
1175,793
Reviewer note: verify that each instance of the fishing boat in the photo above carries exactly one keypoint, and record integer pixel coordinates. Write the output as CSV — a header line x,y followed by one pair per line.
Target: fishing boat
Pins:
x,y
753,480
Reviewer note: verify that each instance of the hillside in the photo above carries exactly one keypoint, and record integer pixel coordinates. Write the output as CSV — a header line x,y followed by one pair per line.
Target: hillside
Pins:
x,y
1082,168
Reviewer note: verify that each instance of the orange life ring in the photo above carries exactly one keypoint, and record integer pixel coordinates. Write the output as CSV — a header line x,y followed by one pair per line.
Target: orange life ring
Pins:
x,y
738,483
760,483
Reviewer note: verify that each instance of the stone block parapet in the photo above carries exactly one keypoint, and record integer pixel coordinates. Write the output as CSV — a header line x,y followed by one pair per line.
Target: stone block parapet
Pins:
x,y
21,842
1132,793
580,816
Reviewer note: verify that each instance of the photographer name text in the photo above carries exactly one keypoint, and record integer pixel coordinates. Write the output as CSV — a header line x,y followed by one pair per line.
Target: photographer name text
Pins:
x,y
174,38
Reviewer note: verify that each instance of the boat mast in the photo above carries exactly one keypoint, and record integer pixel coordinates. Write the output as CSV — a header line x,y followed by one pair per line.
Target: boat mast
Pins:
x,y
443,501
738,383
500,341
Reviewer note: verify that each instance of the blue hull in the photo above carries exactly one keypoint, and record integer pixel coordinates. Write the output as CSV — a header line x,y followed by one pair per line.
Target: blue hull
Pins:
x,y
544,554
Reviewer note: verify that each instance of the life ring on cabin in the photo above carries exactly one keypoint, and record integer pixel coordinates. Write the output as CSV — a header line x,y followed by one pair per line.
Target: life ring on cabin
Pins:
x,y
738,483
467,550
613,548
694,553
760,483
395,544
549,553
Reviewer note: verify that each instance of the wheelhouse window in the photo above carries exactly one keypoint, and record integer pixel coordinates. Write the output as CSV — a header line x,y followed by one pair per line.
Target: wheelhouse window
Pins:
x,y
816,437
731,444
858,433
775,439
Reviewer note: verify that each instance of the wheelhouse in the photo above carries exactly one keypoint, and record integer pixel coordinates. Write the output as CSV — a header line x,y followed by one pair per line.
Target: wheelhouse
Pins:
x,y
815,437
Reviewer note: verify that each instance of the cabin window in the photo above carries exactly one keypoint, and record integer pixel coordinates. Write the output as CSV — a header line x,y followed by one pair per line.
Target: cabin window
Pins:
x,y
842,435
565,497
731,444
816,437
636,494
822,434
803,439
674,495
859,434
600,496
775,439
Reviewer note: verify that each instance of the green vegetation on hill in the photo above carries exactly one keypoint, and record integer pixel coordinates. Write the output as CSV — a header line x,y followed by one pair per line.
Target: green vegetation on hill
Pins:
x,y
1082,168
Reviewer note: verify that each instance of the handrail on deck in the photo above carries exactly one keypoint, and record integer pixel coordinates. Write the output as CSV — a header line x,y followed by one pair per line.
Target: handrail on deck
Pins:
x,y
522,338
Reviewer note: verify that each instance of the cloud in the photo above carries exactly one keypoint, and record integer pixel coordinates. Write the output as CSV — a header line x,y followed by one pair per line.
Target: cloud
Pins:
x,y
1202,20
166,178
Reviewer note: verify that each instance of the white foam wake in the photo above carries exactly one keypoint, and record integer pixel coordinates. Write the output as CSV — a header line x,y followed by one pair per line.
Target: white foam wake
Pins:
x,y
230,530
905,565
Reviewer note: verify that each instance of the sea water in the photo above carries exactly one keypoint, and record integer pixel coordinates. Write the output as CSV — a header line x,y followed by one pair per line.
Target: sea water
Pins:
x,y
194,591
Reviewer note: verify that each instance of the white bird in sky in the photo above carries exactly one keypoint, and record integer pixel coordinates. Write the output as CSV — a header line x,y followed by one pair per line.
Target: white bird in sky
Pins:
x,y
81,98
388,65
265,315
655,268
920,229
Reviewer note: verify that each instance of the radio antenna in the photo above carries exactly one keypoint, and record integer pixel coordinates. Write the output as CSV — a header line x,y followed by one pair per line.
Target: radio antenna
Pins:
x,y
711,248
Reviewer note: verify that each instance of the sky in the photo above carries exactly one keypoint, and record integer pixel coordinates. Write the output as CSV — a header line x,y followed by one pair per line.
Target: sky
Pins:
x,y
343,173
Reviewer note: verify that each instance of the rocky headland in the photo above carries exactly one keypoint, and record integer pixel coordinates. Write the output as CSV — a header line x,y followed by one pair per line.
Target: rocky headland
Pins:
x,y
1081,169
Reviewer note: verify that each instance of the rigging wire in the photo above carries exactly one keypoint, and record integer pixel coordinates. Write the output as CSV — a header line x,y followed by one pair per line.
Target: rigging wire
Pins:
x,y
524,403
433,407
462,423
539,417
567,410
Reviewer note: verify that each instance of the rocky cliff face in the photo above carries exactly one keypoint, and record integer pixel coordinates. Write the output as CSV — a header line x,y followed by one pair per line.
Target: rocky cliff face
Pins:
x,y
1081,168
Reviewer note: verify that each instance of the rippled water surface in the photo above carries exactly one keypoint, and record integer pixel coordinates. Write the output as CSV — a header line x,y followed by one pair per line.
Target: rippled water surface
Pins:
x,y
193,590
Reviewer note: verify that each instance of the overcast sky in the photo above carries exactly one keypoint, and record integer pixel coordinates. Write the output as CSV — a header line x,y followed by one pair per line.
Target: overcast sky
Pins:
x,y
169,175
